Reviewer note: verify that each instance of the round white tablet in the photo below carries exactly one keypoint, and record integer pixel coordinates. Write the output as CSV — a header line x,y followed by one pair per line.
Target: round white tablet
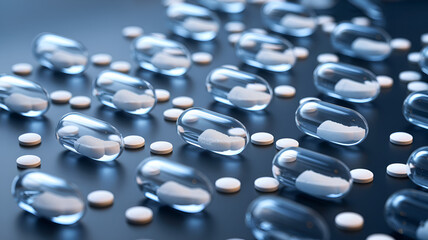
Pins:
x,y
237,131
101,59
202,57
29,139
234,38
100,198
349,221
120,66
417,86
28,161
68,131
361,175
362,21
234,27
327,57
322,19
305,99
161,147
266,184
60,96
301,52
286,142
257,87
424,38
398,170
329,27
409,76
385,81
162,95
401,138
414,57
134,141
172,114
139,215
227,185
22,69
379,236
400,44
182,102
285,91
80,102
262,138
132,31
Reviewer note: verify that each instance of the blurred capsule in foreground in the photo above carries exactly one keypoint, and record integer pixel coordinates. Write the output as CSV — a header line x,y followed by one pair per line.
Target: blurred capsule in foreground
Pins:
x,y
418,167
227,6
415,109
423,63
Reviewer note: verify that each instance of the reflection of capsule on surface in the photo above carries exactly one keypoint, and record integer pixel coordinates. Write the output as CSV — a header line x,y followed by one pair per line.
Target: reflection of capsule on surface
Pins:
x,y
415,109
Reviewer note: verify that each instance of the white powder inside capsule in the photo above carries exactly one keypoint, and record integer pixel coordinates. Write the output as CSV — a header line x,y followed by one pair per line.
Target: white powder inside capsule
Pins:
x,y
173,193
96,148
336,132
270,57
296,21
246,98
371,47
64,59
214,140
21,103
318,184
353,89
54,205
167,61
200,25
130,101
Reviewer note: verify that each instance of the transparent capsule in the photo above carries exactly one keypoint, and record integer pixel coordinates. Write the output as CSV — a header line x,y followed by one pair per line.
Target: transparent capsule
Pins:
x,y
228,6
418,167
192,21
212,131
318,4
22,96
331,122
364,42
313,173
49,197
415,109
124,92
60,53
161,55
277,218
239,89
347,82
406,212
89,137
265,51
289,18
423,63
173,184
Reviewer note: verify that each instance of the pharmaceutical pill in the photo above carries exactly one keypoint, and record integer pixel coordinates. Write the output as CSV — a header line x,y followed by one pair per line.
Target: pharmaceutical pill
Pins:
x,y
417,167
409,76
415,108
80,102
329,27
417,86
401,138
101,59
234,38
327,57
285,91
379,236
100,198
132,31
397,170
424,38
29,139
22,69
229,6
266,184
305,99
301,52
361,175
285,143
139,215
182,102
162,95
166,3
262,138
361,21
134,141
227,185
202,57
234,27
161,147
349,221
68,131
172,114
400,44
28,161
257,86
385,81
414,57
323,19
120,66
60,96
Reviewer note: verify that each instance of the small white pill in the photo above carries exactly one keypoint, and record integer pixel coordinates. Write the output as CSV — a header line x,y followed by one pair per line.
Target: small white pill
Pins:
x,y
424,38
400,44
202,57
266,184
234,38
401,138
100,198
327,57
323,19
101,59
139,215
301,52
305,99
161,147
285,91
349,221
132,31
414,57
329,27
417,86
182,102
172,114
28,161
398,170
385,81
379,236
134,141
80,102
257,87
262,138
22,69
29,139
362,21
227,185
234,27
285,143
409,76
361,175
237,132
60,96
120,66
162,95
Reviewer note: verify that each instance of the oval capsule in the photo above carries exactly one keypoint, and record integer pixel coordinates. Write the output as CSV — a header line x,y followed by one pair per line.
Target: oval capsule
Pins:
x,y
173,184
318,4
89,137
124,92
229,6
22,96
418,167
346,82
406,212
265,51
331,122
60,53
240,89
423,62
364,42
280,218
315,174
289,18
192,21
415,109
212,131
49,197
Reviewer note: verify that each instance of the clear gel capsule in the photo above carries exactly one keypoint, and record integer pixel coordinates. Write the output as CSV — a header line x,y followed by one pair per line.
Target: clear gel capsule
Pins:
x,y
278,218
60,54
418,167
192,21
331,122
161,55
346,82
406,212
423,63
212,131
124,92
318,4
173,184
89,137
415,109
367,43
313,173
22,96
239,89
289,18
228,6
49,197
265,51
